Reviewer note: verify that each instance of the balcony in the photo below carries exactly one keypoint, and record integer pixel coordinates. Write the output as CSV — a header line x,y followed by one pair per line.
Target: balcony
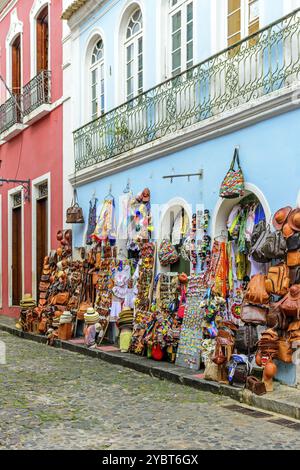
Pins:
x,y
37,97
251,72
11,118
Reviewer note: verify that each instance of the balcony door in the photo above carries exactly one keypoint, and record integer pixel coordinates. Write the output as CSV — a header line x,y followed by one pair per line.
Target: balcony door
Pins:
x,y
16,66
42,41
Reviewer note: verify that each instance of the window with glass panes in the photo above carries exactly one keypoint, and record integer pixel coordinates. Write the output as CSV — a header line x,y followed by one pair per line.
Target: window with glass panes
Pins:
x,y
97,80
242,19
182,35
134,55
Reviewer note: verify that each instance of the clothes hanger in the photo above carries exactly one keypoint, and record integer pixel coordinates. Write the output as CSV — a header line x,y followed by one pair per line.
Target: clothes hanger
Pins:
x,y
93,199
109,195
127,188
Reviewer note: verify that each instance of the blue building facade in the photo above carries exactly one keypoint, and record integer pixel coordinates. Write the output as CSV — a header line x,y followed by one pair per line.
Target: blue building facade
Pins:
x,y
178,86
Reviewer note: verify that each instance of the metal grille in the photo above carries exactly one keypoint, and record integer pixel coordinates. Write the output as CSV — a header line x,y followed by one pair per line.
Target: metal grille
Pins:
x,y
43,190
257,66
37,92
10,113
247,411
17,200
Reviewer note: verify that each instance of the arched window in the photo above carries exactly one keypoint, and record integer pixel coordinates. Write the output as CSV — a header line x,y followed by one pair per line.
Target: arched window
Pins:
x,y
42,41
134,54
181,20
97,80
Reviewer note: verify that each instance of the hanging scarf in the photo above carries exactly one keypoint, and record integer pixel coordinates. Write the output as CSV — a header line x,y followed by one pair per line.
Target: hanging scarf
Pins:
x,y
105,228
220,285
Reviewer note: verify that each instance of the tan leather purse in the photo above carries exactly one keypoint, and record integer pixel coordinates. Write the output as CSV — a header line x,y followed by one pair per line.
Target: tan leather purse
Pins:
x,y
293,258
256,291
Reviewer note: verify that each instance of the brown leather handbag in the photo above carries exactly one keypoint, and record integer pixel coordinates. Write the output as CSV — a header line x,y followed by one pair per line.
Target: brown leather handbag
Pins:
x,y
290,304
278,281
256,292
75,213
254,315
293,258
285,352
255,385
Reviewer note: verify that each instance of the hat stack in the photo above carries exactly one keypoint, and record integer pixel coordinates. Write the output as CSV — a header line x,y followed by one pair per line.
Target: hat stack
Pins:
x,y
66,317
27,302
126,318
91,316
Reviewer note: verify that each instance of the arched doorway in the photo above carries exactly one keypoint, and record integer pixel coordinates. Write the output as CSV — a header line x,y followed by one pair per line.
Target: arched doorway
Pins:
x,y
175,223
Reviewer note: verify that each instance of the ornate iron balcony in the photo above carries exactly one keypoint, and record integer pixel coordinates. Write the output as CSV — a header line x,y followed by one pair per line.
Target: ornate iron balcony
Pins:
x,y
37,92
251,69
10,113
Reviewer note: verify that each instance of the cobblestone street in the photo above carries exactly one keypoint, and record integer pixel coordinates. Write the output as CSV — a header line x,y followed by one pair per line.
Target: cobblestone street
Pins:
x,y
54,399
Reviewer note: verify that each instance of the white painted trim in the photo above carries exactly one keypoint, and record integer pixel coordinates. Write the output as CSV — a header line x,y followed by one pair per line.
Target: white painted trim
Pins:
x,y
10,195
274,104
36,8
223,207
7,9
15,29
34,191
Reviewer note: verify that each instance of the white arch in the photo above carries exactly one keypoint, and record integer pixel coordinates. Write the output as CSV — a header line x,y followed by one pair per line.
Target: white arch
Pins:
x,y
124,16
93,37
224,206
16,28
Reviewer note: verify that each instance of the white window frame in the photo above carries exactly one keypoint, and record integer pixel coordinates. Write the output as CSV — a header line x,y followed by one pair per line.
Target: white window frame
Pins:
x,y
99,67
36,9
16,29
11,193
35,196
172,10
134,41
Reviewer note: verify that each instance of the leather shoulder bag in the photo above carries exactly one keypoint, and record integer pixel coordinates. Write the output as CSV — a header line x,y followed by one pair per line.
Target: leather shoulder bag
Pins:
x,y
254,315
278,281
256,292
75,213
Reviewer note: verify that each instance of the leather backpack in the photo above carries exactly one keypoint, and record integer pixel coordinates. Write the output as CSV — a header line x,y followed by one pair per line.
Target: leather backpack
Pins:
x,y
257,231
293,258
290,304
278,281
254,315
246,339
256,292
256,251
274,246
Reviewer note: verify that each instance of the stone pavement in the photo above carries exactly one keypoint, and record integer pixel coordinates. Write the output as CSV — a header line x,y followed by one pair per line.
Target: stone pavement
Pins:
x,y
55,399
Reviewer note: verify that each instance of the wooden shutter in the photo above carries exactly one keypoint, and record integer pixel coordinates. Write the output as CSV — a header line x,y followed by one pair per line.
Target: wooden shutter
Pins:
x,y
16,256
42,41
16,66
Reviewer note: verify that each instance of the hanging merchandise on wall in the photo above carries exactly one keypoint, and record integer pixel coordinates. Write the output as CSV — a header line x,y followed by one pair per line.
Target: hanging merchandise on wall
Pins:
x,y
233,185
92,220
106,224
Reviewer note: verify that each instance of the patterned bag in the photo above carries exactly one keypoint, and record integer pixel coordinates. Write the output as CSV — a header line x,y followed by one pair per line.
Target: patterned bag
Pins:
x,y
233,185
167,253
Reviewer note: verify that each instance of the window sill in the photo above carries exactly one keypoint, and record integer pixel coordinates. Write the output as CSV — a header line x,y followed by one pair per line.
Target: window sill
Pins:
x,y
37,114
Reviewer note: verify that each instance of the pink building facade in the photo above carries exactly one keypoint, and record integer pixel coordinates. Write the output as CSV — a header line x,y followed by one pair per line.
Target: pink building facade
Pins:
x,y
30,143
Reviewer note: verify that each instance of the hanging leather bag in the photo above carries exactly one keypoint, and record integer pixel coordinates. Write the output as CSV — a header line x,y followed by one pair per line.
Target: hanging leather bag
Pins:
x,y
293,242
254,315
257,250
278,281
274,246
246,339
290,304
256,292
285,352
257,231
293,258
294,274
75,213
233,185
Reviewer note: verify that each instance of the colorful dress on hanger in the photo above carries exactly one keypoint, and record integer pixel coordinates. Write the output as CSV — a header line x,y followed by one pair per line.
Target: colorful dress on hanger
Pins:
x,y
92,221
106,224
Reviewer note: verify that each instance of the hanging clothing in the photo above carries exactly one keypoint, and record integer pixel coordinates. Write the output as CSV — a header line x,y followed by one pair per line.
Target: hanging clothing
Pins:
x,y
106,224
250,223
220,284
92,221
259,214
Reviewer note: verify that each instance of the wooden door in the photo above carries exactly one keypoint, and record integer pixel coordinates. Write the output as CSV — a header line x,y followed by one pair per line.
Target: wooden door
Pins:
x,y
16,256
41,235
42,41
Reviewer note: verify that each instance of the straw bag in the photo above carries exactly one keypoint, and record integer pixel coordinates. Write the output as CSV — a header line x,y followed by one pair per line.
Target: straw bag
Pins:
x,y
233,185
167,253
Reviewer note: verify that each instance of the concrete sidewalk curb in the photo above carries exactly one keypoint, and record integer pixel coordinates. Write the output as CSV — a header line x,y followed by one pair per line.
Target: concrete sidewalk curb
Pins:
x,y
166,371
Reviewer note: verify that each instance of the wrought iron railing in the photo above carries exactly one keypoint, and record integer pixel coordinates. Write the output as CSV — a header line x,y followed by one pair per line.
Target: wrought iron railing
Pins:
x,y
253,68
10,113
37,92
